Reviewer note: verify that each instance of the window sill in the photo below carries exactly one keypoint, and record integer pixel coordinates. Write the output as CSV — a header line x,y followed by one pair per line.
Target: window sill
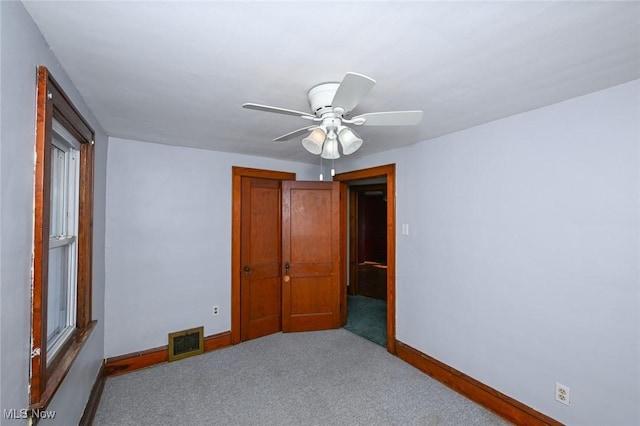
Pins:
x,y
63,367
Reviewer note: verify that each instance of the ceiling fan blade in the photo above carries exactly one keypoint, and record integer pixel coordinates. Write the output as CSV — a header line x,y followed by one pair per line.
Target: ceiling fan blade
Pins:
x,y
295,133
390,118
353,88
267,108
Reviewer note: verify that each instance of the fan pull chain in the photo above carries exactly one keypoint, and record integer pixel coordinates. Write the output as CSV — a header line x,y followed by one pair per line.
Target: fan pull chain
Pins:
x,y
321,177
333,171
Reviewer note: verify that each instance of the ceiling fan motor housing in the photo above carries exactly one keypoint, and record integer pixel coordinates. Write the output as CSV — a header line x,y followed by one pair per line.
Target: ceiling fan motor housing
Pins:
x,y
321,96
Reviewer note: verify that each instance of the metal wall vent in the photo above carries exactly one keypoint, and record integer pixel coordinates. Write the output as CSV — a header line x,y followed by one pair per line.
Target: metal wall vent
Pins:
x,y
186,343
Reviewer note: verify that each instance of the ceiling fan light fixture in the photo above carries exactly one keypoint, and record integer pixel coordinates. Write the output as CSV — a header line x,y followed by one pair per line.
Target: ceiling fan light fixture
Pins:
x,y
349,140
313,142
331,106
330,149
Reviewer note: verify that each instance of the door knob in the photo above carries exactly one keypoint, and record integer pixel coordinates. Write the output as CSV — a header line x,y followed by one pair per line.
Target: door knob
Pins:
x,y
247,270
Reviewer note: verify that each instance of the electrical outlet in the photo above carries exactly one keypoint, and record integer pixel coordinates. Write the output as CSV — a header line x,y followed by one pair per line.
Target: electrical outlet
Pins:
x,y
562,394
216,309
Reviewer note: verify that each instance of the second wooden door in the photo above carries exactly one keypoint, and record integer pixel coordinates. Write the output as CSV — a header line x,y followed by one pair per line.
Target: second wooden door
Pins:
x,y
311,255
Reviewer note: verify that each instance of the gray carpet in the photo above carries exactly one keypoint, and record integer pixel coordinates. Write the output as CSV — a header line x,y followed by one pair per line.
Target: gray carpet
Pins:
x,y
319,378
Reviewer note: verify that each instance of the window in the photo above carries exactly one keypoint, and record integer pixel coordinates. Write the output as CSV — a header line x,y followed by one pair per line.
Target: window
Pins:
x,y
63,199
63,238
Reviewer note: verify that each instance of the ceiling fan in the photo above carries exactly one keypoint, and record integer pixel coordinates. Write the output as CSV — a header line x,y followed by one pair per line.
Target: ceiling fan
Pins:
x,y
331,105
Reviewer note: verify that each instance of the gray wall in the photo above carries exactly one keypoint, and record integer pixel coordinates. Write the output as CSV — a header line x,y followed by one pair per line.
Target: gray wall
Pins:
x,y
521,268
23,49
169,240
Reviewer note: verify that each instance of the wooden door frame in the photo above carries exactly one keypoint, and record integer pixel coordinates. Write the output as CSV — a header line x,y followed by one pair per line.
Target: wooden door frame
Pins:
x,y
389,172
236,219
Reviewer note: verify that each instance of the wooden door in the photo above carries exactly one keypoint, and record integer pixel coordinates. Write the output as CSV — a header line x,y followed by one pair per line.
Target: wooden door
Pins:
x,y
310,255
260,287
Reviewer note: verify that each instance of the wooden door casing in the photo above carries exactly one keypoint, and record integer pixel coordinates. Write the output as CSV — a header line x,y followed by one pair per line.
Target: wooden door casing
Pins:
x,y
311,255
236,240
389,173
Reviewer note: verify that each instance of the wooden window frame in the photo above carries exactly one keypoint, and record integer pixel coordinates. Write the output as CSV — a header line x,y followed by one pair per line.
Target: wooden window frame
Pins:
x,y
46,377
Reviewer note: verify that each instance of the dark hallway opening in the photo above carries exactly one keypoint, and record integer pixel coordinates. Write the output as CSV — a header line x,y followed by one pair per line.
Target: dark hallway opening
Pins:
x,y
367,292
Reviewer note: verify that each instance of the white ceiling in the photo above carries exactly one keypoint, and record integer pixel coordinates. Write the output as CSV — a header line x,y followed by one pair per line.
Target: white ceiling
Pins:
x,y
178,72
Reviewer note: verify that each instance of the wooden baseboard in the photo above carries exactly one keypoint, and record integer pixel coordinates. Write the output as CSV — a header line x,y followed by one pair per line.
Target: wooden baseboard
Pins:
x,y
217,341
134,361
501,404
94,399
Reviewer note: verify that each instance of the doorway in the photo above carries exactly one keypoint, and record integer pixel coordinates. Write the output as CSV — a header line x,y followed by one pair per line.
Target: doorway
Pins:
x,y
368,240
379,174
367,285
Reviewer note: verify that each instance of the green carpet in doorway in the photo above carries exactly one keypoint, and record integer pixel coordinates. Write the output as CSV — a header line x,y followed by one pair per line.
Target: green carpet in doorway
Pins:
x,y
367,317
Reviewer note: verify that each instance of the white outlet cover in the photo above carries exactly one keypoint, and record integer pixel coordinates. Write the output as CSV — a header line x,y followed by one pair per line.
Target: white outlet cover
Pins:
x,y
562,394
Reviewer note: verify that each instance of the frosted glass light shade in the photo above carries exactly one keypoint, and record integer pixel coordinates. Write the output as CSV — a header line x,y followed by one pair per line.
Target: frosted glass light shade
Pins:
x,y
330,150
313,142
349,140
